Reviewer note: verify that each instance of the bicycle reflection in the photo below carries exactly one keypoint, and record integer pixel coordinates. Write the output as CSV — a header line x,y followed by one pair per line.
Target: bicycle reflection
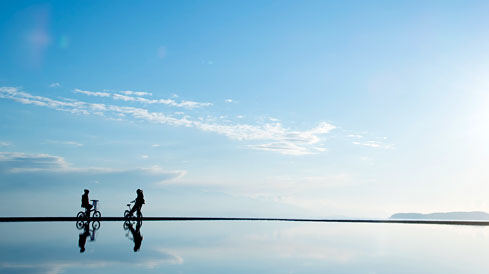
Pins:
x,y
137,238
87,232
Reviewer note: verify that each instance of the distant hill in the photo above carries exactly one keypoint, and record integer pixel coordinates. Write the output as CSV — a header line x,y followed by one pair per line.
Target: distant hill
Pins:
x,y
473,215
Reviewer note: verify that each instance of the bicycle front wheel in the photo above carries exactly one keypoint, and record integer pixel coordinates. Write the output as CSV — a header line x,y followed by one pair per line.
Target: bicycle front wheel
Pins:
x,y
97,214
127,214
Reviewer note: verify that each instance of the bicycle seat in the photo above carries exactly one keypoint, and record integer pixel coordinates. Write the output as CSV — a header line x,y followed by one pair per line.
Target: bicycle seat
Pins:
x,y
128,204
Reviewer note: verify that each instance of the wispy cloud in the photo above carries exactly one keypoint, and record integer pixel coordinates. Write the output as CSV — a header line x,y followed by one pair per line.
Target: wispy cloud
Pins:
x,y
55,85
272,135
355,136
69,143
284,148
92,93
374,144
4,144
19,169
137,93
126,96
228,100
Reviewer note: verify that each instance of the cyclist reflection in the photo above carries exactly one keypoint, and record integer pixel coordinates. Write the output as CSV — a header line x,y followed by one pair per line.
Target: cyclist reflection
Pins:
x,y
82,239
136,233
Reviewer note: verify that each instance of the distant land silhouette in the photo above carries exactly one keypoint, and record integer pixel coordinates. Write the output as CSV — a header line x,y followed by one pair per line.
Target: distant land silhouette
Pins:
x,y
472,215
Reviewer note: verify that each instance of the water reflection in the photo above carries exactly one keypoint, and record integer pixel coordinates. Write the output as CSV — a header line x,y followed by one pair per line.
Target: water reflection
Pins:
x,y
242,247
137,238
87,232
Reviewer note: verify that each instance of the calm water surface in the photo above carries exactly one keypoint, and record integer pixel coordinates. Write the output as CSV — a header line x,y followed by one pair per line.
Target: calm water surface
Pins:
x,y
243,247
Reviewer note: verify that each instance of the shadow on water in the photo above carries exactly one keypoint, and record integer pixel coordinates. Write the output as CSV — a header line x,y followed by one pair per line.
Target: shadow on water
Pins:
x,y
137,238
87,232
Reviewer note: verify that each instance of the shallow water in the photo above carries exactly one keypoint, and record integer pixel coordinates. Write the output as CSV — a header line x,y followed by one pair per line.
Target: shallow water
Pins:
x,y
243,247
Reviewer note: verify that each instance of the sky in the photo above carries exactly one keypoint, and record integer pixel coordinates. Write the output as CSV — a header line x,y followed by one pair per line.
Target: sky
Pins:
x,y
244,108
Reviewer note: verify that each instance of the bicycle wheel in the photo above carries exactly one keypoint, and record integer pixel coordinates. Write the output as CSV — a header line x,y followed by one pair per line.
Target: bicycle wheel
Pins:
x,y
126,225
80,215
96,225
80,224
140,215
127,214
96,214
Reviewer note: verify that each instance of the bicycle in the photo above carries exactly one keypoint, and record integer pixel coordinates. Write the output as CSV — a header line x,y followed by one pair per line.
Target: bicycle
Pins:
x,y
96,214
129,215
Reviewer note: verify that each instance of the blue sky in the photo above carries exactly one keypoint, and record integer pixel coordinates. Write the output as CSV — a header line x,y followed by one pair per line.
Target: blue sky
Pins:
x,y
256,108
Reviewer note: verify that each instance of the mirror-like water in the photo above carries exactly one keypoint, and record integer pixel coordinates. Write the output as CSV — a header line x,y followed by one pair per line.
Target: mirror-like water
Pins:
x,y
242,247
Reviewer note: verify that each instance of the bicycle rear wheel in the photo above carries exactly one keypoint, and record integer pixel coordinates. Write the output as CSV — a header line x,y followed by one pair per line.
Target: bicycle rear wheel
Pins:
x,y
127,214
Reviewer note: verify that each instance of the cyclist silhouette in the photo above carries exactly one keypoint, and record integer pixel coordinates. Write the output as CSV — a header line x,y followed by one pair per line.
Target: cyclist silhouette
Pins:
x,y
138,202
85,202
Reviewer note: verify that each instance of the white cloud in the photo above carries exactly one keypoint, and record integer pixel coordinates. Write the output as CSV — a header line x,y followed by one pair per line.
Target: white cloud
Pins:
x,y
374,144
144,156
228,100
4,144
18,169
70,143
273,135
283,147
126,96
17,162
155,145
92,93
55,85
137,93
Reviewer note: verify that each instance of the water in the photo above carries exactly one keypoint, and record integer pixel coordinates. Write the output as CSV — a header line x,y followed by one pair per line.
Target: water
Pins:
x,y
244,247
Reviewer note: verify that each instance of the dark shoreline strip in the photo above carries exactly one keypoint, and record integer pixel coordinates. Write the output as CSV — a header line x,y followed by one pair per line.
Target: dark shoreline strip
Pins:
x,y
385,221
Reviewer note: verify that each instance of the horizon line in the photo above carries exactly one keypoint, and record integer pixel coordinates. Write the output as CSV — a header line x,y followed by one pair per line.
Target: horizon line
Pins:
x,y
385,221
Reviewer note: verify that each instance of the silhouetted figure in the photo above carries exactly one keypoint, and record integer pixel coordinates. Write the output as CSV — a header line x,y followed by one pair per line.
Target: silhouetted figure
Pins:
x,y
82,240
136,235
85,202
138,203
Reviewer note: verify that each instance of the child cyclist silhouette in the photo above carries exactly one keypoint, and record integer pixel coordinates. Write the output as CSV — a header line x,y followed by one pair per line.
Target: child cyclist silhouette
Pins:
x,y
138,203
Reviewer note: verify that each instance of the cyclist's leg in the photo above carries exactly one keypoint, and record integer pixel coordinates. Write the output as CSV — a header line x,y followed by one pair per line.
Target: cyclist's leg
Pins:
x,y
138,212
134,207
87,211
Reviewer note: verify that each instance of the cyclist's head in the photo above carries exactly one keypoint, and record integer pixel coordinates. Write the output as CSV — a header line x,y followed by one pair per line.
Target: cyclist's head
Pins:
x,y
86,191
139,191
